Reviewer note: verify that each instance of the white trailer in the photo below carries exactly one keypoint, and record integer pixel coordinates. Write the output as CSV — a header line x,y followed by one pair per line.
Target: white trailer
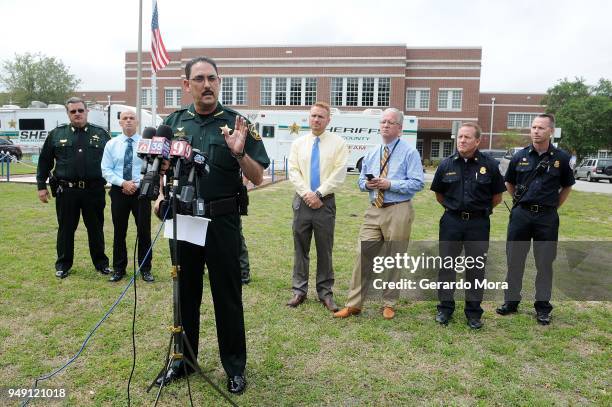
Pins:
x,y
361,130
29,127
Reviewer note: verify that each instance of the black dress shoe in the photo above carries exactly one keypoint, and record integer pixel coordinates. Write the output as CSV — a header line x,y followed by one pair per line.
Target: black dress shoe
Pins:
x,y
174,373
236,384
116,276
543,318
474,323
296,300
328,302
442,318
61,273
147,276
506,308
105,270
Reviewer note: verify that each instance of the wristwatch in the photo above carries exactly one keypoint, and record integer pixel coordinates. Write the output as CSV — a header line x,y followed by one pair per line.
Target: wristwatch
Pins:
x,y
318,194
238,156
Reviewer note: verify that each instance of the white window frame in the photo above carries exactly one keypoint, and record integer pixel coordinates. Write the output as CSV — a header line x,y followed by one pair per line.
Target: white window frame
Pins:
x,y
177,94
449,100
531,115
234,90
441,149
418,99
359,91
286,90
146,97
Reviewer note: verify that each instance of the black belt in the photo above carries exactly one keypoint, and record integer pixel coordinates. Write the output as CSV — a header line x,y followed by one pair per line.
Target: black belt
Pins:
x,y
465,215
80,184
388,204
536,208
221,207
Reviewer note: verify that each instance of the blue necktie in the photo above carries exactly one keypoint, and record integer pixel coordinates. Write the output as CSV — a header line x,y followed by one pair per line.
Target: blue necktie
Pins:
x,y
315,171
127,161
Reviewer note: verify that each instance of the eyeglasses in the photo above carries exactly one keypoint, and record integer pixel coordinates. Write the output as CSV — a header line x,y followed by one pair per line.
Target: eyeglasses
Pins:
x,y
389,122
73,111
202,78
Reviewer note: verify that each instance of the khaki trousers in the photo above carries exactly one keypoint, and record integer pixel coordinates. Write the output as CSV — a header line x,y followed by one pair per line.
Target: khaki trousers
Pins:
x,y
390,224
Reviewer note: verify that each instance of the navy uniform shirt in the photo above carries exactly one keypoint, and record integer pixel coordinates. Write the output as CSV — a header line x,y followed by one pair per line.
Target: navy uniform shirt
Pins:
x,y
204,133
468,185
545,187
76,154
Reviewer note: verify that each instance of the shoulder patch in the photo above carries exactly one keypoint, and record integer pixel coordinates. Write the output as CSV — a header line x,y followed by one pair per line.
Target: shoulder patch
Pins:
x,y
253,132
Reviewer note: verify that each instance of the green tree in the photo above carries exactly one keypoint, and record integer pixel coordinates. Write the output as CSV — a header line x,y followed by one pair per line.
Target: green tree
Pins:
x,y
37,77
510,138
584,114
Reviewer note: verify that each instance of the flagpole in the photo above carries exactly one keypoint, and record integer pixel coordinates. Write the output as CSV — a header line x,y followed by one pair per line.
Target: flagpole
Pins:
x,y
139,74
153,97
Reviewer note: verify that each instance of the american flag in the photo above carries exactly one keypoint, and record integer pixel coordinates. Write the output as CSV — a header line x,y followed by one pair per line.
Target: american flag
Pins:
x,y
159,55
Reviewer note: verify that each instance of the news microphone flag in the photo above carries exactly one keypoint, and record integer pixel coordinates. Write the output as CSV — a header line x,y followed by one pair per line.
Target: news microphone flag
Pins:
x,y
159,55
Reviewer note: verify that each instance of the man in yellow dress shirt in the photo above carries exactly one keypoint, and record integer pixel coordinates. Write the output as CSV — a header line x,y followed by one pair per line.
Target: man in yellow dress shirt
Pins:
x,y
317,168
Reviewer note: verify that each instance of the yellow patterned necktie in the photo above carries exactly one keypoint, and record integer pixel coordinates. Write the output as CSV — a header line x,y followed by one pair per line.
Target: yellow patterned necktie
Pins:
x,y
378,202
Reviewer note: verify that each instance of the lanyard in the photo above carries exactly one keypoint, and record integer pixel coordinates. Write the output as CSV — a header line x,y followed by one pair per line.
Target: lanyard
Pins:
x,y
389,157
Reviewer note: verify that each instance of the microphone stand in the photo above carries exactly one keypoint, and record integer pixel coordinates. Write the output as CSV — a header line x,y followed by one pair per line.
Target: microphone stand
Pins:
x,y
178,339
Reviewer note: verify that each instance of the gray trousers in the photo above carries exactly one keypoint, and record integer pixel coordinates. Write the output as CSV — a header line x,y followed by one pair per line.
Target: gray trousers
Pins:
x,y
320,221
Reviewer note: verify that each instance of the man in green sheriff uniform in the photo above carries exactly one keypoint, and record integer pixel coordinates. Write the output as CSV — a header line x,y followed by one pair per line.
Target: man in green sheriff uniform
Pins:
x,y
232,146
75,150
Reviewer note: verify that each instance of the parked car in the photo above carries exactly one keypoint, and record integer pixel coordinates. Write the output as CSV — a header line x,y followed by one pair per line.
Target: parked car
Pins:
x,y
505,160
593,169
7,147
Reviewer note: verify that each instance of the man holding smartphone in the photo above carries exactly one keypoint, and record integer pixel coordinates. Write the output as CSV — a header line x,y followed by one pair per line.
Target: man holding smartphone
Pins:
x,y
390,215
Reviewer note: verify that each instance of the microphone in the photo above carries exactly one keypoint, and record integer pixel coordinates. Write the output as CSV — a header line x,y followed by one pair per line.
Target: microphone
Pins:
x,y
159,148
143,148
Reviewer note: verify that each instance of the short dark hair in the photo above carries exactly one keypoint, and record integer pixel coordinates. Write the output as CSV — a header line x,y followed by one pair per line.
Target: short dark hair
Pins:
x,y
473,125
75,99
550,117
198,60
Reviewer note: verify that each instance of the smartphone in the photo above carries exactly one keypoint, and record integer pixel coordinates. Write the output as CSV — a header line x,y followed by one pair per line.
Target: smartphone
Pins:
x,y
369,177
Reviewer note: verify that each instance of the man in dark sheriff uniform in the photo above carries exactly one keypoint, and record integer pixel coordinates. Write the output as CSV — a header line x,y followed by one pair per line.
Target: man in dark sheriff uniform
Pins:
x,y
469,185
540,179
208,127
75,150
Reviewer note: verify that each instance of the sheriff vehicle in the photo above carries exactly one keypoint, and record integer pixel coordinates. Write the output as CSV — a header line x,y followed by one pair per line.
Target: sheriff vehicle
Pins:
x,y
361,130
28,127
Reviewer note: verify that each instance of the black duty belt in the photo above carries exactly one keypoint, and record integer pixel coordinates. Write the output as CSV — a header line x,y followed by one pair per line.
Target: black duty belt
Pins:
x,y
80,184
465,215
221,207
536,208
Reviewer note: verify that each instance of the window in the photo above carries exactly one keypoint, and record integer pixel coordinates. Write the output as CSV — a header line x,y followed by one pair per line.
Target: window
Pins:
x,y
233,91
295,91
419,147
267,131
172,97
441,149
450,99
417,99
520,120
31,124
357,91
145,97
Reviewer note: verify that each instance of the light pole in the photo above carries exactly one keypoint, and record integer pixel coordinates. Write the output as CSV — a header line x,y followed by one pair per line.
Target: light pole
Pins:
x,y
491,126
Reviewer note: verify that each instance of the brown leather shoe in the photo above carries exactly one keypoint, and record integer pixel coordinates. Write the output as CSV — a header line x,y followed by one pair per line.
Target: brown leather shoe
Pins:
x,y
388,313
328,302
296,300
347,312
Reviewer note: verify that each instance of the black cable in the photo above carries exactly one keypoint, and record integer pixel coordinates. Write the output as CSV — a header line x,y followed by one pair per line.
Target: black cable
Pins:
x,y
135,302
95,328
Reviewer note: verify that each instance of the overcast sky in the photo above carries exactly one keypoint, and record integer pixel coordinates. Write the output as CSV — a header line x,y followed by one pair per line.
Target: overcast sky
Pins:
x,y
527,45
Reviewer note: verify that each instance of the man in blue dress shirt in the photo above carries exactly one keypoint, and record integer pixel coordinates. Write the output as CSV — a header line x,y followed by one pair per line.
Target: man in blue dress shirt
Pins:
x,y
121,168
397,177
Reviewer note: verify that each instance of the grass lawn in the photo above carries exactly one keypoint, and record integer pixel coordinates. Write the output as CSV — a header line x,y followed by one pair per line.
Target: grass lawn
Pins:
x,y
295,356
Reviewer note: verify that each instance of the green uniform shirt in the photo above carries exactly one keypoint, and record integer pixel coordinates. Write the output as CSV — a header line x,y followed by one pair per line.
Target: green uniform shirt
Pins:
x,y
75,153
204,133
